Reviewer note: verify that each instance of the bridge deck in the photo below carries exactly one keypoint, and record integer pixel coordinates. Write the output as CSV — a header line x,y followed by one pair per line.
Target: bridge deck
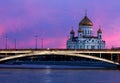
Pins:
x,y
29,52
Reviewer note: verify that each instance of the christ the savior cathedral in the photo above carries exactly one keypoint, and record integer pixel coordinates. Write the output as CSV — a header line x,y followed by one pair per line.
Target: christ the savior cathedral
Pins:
x,y
85,38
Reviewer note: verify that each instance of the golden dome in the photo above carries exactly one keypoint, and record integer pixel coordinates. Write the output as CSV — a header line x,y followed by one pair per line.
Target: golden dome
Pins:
x,y
86,22
99,30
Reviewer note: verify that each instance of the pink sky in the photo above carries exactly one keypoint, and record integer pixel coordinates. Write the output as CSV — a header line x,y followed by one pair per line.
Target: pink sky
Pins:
x,y
52,20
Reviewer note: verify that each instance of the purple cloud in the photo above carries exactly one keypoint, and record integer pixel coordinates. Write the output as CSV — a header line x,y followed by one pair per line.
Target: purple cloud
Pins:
x,y
52,21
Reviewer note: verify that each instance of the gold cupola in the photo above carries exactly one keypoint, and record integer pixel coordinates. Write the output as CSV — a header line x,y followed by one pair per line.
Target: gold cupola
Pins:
x,y
86,22
72,31
80,30
99,30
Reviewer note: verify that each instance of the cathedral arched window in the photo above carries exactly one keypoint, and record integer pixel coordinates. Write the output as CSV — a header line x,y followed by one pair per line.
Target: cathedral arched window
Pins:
x,y
90,32
80,35
92,40
85,32
93,47
87,47
80,47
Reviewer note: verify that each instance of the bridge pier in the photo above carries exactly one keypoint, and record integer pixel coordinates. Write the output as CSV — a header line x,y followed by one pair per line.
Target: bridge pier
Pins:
x,y
111,57
100,55
118,58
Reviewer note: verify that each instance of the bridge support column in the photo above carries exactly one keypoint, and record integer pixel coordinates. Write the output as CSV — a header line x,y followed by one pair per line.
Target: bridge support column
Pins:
x,y
118,58
111,57
100,55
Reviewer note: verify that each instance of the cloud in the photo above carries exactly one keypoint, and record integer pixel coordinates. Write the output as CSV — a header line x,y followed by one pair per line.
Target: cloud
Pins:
x,y
52,20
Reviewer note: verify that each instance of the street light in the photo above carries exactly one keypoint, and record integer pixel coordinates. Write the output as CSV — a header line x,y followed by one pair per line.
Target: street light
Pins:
x,y
42,43
15,43
6,39
36,42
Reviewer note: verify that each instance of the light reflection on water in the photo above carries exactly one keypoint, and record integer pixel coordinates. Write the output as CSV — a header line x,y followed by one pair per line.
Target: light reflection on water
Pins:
x,y
58,76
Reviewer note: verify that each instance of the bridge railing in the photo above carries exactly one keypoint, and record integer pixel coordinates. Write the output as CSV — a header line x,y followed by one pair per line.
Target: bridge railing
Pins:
x,y
61,49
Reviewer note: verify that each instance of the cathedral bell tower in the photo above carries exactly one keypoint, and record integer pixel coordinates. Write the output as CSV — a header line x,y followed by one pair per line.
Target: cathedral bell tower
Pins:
x,y
72,34
99,33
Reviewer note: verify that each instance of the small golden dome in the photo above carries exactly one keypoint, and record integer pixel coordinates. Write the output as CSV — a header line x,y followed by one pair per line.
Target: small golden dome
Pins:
x,y
79,30
86,22
99,30
72,32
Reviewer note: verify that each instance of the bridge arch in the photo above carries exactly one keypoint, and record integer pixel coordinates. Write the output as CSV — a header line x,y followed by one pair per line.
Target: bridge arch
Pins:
x,y
55,53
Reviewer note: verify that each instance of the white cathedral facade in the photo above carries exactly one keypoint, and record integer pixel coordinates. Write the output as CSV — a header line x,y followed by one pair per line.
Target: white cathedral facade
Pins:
x,y
85,38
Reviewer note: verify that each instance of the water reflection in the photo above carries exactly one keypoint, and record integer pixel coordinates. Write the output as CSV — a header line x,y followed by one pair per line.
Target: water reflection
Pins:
x,y
58,76
48,77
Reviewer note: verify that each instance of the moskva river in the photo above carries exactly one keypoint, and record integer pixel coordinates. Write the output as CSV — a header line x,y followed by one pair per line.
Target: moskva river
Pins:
x,y
59,76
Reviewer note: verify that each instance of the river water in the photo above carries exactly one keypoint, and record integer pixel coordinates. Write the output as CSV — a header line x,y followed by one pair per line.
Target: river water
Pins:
x,y
59,76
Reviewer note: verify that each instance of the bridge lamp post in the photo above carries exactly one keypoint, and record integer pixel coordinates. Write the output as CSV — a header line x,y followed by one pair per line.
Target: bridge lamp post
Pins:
x,y
42,43
36,42
6,42
15,43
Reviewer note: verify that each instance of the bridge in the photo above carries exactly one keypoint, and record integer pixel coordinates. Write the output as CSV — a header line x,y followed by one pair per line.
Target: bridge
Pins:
x,y
109,56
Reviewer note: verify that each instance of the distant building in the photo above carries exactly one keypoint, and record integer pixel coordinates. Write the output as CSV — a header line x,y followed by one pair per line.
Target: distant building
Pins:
x,y
85,38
